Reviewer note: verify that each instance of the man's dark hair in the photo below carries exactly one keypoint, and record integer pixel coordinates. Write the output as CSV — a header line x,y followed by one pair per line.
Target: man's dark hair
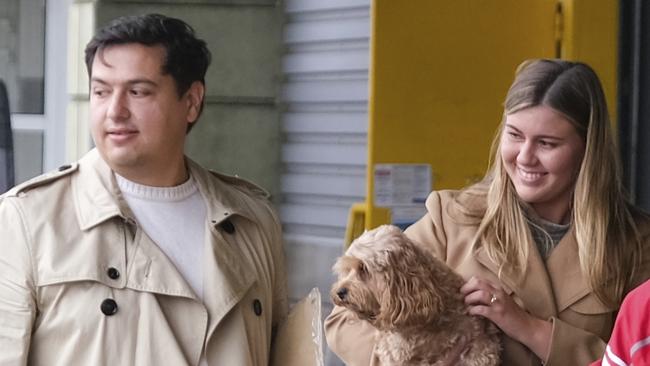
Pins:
x,y
187,57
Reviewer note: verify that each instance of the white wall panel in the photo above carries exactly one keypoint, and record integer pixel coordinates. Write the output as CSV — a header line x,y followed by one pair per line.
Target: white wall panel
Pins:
x,y
324,122
326,91
298,6
325,94
324,184
335,29
314,214
326,61
324,154
324,126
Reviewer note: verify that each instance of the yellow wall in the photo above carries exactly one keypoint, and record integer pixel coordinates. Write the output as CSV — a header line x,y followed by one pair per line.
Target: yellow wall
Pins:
x,y
439,73
441,69
591,36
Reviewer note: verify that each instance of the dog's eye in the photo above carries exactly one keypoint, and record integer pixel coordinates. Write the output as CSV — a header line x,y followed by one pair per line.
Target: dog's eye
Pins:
x,y
362,269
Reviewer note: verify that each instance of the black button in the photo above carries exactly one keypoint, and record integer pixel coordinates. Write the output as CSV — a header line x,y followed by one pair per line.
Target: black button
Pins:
x,y
257,307
65,167
113,273
109,307
227,226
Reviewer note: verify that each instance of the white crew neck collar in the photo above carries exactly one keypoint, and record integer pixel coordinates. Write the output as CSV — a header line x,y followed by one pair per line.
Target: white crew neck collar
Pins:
x,y
151,193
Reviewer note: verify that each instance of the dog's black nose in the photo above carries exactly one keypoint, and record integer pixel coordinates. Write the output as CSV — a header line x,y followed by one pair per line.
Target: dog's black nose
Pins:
x,y
341,293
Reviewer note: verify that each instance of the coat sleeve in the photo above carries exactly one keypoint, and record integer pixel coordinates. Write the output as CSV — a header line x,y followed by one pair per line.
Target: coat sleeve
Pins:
x,y
572,345
17,295
429,230
352,339
280,293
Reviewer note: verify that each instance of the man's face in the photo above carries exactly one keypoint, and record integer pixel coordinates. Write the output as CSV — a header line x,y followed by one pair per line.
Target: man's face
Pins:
x,y
138,119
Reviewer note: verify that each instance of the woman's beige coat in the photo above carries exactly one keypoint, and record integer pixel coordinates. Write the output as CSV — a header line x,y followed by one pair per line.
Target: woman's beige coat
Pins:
x,y
60,234
554,289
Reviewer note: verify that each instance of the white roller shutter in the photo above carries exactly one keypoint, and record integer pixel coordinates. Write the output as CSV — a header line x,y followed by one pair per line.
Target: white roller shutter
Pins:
x,y
325,91
325,94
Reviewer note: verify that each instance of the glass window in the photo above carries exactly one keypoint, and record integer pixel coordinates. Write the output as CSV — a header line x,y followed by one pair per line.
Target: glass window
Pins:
x,y
22,50
22,68
28,154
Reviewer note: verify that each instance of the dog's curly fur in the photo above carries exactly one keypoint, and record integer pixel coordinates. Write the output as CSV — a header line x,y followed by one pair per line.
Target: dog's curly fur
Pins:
x,y
414,300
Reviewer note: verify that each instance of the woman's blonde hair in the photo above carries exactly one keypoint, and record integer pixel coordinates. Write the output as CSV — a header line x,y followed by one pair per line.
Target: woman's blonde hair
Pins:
x,y
608,242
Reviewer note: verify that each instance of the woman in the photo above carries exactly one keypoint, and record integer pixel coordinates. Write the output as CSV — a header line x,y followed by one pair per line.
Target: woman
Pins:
x,y
547,242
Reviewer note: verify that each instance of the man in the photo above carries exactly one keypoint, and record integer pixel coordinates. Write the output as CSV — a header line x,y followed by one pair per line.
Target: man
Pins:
x,y
136,255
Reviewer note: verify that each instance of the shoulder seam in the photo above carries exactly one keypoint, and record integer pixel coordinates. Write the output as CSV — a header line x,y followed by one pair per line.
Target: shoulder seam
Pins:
x,y
41,180
243,183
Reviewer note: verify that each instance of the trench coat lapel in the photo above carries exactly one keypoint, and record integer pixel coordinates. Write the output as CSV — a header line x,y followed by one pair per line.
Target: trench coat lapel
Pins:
x,y
533,287
227,275
152,271
98,199
568,282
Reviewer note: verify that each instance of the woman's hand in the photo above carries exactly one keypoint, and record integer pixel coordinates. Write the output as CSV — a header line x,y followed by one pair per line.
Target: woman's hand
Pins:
x,y
490,301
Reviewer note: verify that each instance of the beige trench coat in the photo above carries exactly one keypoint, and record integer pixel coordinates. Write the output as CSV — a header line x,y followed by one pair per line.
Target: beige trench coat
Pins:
x,y
61,233
554,289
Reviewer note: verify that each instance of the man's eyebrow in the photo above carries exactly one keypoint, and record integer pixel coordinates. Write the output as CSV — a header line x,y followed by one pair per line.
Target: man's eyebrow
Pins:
x,y
142,81
97,80
128,82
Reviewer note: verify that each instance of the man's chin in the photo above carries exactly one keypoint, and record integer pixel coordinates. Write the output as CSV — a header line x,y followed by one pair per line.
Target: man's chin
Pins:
x,y
120,160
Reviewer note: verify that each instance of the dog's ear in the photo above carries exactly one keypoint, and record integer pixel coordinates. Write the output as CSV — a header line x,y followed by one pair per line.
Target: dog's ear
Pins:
x,y
409,296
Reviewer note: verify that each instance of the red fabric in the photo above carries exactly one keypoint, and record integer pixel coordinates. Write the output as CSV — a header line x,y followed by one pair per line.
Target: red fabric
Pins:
x,y
630,341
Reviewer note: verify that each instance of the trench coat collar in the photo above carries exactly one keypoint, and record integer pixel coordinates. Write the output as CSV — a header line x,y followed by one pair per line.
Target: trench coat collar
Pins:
x,y
96,194
98,199
547,287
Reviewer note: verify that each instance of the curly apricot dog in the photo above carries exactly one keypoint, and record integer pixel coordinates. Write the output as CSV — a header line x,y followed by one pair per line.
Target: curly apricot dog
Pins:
x,y
414,300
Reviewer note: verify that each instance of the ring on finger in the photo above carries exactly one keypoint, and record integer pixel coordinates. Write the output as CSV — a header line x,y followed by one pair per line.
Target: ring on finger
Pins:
x,y
493,298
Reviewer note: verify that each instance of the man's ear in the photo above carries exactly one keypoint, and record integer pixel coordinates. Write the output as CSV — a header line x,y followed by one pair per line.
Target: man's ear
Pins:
x,y
194,95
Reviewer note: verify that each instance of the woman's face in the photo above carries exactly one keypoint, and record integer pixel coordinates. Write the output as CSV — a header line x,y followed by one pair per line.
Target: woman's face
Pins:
x,y
542,152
